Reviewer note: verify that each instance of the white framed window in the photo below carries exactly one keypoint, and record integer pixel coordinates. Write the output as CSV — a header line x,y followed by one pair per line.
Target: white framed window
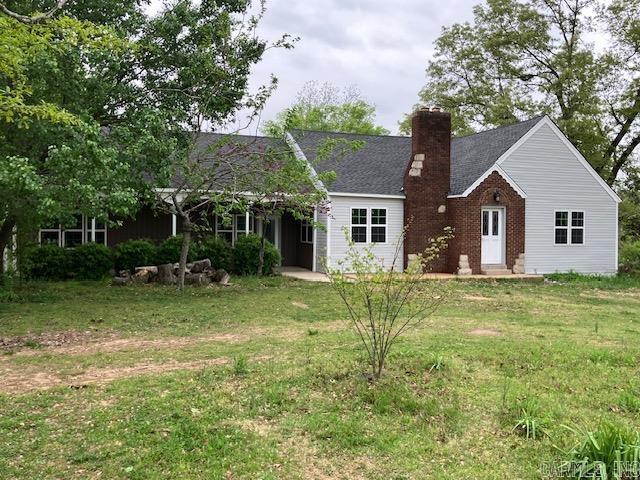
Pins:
x,y
306,232
83,230
569,227
233,227
369,225
359,225
379,225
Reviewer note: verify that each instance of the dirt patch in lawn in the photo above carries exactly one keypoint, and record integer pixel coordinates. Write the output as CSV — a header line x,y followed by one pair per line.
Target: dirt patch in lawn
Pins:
x,y
134,343
16,381
484,332
304,306
477,298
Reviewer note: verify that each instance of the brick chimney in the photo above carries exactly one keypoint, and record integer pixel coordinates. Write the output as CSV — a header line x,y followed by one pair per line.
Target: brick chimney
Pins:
x,y
426,181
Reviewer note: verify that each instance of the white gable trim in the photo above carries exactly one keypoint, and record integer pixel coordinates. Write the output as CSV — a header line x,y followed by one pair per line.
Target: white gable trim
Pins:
x,y
495,168
297,151
548,122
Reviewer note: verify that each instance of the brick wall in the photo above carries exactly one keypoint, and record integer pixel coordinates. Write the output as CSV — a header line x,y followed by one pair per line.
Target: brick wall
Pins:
x,y
426,182
465,214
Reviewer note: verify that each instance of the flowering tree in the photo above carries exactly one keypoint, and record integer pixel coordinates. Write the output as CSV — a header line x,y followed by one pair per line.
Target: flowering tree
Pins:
x,y
382,302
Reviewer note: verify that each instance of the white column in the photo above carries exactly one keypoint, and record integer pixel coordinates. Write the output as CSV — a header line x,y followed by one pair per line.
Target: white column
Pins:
x,y
93,229
174,224
246,223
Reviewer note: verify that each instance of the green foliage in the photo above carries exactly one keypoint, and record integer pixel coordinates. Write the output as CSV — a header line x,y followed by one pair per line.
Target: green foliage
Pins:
x,y
519,59
91,261
240,365
630,257
629,401
134,253
246,256
217,250
169,251
46,262
605,453
530,420
325,108
383,303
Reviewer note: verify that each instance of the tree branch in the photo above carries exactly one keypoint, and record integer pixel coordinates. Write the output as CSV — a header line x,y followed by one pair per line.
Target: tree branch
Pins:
x,y
33,18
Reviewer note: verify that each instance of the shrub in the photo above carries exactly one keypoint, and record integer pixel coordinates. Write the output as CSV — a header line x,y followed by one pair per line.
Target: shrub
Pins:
x,y
246,256
169,251
217,250
134,253
605,452
47,262
91,261
630,257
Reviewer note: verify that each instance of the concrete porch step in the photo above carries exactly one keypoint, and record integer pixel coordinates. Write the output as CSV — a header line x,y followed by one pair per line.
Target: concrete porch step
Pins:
x,y
495,270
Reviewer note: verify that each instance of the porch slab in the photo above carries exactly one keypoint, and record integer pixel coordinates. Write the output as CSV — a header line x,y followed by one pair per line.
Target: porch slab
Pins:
x,y
309,276
303,274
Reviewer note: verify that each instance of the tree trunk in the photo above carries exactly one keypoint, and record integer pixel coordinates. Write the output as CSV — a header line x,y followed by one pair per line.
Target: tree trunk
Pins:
x,y
261,254
6,230
184,252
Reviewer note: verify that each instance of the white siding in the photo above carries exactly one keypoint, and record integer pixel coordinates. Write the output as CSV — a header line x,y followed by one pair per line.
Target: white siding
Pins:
x,y
341,218
554,179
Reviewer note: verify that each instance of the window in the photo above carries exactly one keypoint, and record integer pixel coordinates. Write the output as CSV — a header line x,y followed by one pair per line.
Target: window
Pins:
x,y
83,230
359,225
485,223
378,225
569,227
224,228
369,223
577,228
306,232
96,231
231,228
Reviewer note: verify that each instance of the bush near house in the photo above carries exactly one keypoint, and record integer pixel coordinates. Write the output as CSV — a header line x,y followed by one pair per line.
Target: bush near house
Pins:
x,y
630,257
134,253
246,256
46,262
216,249
91,261
169,251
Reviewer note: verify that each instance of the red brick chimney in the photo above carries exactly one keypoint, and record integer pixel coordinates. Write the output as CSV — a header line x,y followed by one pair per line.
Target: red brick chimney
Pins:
x,y
426,182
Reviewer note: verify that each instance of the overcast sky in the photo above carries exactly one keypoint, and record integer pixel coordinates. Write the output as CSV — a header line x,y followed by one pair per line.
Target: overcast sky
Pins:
x,y
380,46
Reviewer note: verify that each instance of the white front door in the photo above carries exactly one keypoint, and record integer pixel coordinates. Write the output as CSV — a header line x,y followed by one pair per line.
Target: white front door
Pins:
x,y
492,236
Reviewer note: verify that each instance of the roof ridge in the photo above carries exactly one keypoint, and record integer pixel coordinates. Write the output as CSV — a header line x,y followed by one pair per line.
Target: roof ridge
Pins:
x,y
538,117
350,133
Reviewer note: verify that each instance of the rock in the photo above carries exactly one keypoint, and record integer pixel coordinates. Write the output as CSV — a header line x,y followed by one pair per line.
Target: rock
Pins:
x,y
120,281
198,279
200,266
221,276
165,274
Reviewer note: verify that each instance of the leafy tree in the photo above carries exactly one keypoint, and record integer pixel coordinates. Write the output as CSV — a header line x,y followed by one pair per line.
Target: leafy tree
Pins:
x,y
328,109
55,160
523,58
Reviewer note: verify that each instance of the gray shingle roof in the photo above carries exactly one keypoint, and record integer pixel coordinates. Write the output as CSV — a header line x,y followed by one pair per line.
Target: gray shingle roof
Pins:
x,y
378,166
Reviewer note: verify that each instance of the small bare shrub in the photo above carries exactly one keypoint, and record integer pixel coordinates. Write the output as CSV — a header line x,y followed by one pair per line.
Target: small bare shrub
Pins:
x,y
383,302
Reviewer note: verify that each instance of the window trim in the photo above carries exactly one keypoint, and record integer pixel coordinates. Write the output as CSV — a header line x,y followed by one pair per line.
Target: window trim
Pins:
x,y
87,229
233,228
569,228
385,225
306,227
368,225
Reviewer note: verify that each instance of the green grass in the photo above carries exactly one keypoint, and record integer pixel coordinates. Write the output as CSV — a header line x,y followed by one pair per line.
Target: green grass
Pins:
x,y
263,380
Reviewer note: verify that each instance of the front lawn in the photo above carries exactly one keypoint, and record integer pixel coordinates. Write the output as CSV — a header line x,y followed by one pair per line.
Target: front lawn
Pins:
x,y
263,379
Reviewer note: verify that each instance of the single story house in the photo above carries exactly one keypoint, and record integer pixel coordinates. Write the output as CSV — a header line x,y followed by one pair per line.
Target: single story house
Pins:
x,y
520,198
